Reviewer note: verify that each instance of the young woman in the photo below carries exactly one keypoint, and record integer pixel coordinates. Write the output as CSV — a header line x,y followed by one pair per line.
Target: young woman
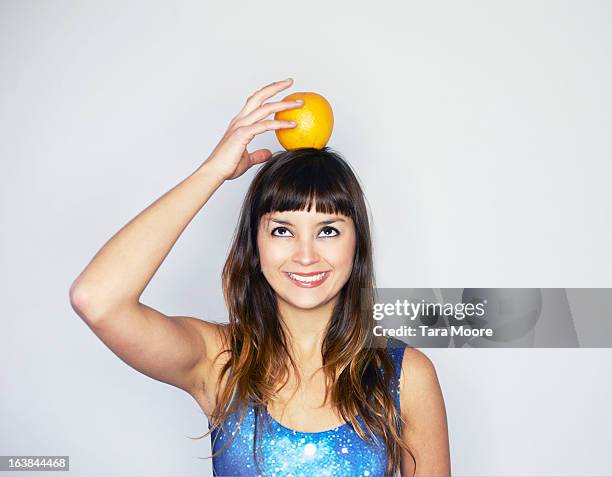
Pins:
x,y
295,383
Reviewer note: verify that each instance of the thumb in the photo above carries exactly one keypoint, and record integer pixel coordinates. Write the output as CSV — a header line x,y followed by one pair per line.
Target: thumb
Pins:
x,y
259,156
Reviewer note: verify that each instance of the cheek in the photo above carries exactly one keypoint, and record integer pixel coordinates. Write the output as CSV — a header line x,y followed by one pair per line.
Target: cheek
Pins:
x,y
342,255
270,257
345,254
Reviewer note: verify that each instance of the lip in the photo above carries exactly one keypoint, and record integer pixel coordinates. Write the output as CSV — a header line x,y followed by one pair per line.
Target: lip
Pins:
x,y
309,274
309,284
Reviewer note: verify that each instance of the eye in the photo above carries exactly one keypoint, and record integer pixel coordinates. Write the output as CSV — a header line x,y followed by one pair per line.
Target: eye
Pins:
x,y
329,232
283,229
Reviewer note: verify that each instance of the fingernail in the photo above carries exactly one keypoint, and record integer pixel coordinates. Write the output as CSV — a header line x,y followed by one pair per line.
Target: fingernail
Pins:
x,y
301,101
289,79
292,122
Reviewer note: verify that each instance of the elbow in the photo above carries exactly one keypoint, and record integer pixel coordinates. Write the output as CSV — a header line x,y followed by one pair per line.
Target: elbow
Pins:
x,y
78,299
92,305
82,303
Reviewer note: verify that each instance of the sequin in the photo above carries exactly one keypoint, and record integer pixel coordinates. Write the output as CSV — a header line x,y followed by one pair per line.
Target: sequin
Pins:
x,y
286,452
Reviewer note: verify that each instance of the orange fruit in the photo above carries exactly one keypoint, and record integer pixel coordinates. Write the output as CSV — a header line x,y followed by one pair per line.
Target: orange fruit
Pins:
x,y
315,122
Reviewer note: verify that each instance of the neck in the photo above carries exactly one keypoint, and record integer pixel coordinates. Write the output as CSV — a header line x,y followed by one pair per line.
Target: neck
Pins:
x,y
306,329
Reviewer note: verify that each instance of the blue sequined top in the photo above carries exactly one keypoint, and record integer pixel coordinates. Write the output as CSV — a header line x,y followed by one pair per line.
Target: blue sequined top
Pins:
x,y
286,452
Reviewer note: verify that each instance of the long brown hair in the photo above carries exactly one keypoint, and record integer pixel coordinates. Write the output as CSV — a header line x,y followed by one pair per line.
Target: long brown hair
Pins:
x,y
258,348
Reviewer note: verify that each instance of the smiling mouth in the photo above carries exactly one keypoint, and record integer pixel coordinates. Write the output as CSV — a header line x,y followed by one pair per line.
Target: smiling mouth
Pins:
x,y
309,280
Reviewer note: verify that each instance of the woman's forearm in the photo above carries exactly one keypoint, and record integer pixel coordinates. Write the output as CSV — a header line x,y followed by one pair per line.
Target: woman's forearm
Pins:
x,y
123,267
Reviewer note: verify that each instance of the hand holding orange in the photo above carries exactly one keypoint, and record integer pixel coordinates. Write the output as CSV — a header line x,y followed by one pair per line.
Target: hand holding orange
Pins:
x,y
315,122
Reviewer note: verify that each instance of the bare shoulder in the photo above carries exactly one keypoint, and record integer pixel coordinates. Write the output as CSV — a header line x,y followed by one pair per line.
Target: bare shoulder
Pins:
x,y
215,337
417,367
424,414
418,381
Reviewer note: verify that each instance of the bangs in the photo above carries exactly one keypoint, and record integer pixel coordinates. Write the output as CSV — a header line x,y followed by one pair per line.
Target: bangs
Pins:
x,y
303,182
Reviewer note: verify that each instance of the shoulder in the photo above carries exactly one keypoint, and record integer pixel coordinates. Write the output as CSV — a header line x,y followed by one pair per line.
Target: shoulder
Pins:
x,y
420,395
215,337
414,364
213,331
424,413
420,392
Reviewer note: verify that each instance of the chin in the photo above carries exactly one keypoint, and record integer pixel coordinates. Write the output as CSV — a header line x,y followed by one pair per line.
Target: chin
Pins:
x,y
304,303
314,306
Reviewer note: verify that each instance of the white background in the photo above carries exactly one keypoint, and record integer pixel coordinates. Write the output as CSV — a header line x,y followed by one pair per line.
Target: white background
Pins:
x,y
481,133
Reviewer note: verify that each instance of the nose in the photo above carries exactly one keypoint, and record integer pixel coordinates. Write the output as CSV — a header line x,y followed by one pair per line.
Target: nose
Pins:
x,y
305,253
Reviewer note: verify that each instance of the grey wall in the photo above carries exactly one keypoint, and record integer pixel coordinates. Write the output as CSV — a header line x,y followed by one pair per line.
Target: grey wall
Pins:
x,y
479,129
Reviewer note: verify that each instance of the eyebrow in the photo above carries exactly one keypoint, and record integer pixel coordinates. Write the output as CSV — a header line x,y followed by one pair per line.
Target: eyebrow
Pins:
x,y
324,222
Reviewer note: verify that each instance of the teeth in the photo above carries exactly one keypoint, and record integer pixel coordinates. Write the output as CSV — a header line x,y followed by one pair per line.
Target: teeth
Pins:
x,y
313,278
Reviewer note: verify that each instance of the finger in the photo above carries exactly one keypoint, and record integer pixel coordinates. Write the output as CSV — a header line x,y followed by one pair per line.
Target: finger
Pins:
x,y
267,109
247,133
259,96
259,156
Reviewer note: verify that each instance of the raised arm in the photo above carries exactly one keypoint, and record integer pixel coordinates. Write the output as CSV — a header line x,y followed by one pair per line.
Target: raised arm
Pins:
x,y
176,350
106,295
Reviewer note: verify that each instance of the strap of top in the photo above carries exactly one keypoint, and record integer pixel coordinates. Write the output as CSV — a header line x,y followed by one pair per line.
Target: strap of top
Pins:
x,y
396,350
